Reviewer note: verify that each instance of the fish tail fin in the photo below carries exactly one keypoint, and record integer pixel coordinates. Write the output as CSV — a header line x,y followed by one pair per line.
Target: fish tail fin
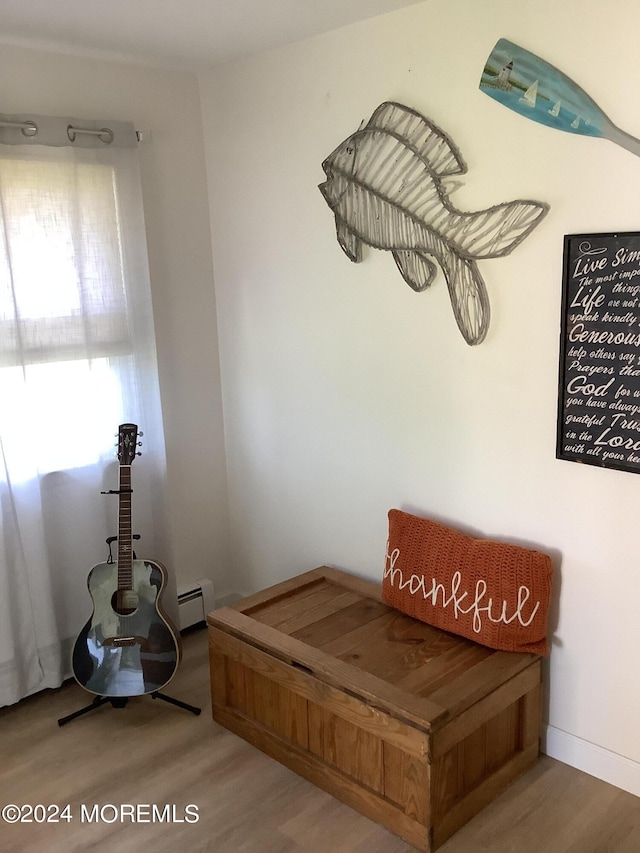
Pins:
x,y
416,269
469,298
495,232
467,290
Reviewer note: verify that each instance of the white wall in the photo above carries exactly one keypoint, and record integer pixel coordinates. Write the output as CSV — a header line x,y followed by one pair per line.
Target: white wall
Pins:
x,y
346,393
177,219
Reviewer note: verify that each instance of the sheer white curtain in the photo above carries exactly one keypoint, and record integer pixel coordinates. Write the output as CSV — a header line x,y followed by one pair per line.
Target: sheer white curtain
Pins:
x,y
77,358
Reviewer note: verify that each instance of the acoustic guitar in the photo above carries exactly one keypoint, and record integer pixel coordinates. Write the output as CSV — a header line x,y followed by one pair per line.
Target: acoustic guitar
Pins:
x,y
128,647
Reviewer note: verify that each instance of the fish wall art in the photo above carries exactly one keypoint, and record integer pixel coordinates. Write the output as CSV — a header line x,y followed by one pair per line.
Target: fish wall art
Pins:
x,y
385,186
532,87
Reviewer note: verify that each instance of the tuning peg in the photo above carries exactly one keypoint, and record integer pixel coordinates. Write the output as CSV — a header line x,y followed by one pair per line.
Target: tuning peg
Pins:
x,y
138,453
141,433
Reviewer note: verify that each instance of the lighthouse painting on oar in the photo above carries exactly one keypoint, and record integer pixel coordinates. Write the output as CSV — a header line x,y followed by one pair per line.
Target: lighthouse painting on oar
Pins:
x,y
385,186
528,85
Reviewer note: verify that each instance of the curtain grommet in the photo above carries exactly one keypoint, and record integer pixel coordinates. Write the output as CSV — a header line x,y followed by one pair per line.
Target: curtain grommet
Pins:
x,y
29,128
105,134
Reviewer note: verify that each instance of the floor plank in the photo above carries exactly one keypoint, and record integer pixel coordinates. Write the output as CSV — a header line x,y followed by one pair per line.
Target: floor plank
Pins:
x,y
152,753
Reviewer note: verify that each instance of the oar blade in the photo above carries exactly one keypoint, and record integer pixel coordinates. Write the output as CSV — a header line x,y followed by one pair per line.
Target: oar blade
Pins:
x,y
532,87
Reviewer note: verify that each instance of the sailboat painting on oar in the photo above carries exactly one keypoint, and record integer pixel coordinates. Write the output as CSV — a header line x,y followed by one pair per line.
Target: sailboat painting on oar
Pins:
x,y
523,82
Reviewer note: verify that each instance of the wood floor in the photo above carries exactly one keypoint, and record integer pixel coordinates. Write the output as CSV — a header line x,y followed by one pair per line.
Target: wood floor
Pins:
x,y
152,753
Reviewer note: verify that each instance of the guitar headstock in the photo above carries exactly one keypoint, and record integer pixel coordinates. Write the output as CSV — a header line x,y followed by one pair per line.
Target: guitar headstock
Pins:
x,y
127,443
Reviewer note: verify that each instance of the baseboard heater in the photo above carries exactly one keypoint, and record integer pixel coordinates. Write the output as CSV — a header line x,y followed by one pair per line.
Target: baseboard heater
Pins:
x,y
194,602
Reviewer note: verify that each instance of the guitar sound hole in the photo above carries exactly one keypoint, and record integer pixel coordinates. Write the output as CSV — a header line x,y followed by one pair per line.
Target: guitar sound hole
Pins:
x,y
124,601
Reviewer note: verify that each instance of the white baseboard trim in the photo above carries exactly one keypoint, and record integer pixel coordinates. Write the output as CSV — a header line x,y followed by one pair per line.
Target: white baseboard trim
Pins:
x,y
595,760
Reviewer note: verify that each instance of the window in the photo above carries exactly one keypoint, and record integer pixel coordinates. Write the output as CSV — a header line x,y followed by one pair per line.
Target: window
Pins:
x,y
64,320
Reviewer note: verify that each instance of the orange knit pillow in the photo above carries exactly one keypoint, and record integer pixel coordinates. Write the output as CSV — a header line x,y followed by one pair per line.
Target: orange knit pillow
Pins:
x,y
490,592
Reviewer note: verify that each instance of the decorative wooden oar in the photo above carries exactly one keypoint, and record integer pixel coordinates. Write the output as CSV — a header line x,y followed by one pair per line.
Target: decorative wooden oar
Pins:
x,y
532,87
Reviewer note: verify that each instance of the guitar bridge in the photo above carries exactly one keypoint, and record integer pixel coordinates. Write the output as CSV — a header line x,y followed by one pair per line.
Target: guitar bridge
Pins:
x,y
120,641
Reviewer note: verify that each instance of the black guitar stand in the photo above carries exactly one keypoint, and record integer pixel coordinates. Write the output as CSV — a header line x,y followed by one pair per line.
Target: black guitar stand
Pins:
x,y
121,701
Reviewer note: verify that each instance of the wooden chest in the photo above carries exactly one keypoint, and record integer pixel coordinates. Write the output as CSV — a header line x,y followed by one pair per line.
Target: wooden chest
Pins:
x,y
415,728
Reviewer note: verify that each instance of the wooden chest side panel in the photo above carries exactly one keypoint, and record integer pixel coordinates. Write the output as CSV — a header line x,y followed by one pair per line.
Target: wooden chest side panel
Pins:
x,y
406,782
468,762
480,796
346,746
280,710
482,758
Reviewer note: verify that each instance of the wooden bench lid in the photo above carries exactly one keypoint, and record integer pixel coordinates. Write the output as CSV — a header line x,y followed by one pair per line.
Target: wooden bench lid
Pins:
x,y
335,626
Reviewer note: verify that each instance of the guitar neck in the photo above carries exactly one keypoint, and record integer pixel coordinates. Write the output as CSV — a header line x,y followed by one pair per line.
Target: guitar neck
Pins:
x,y
125,539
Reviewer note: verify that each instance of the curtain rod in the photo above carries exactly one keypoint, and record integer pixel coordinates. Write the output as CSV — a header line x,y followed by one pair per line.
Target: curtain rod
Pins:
x,y
30,129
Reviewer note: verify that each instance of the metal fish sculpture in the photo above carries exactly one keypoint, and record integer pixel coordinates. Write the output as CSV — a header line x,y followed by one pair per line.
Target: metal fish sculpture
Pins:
x,y
385,187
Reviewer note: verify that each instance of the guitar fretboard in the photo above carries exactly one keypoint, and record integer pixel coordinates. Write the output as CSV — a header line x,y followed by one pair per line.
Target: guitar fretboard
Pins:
x,y
125,541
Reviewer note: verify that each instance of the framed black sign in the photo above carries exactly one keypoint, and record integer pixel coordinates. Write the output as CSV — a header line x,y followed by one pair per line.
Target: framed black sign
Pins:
x,y
599,386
